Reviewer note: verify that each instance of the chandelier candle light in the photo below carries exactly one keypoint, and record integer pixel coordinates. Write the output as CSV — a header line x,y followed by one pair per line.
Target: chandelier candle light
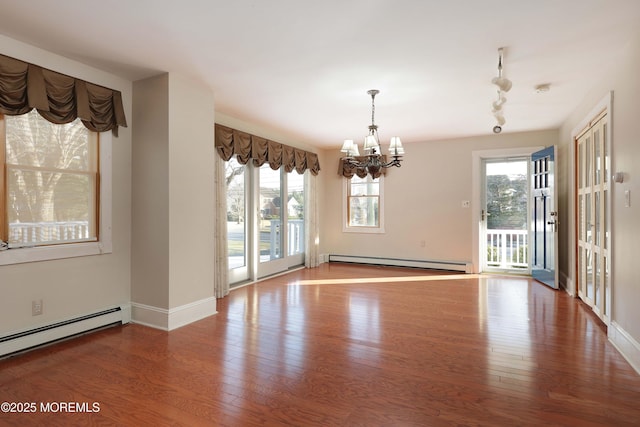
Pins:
x,y
373,160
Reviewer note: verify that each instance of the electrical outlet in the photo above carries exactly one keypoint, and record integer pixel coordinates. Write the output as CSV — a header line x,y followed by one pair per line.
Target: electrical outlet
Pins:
x,y
36,307
466,203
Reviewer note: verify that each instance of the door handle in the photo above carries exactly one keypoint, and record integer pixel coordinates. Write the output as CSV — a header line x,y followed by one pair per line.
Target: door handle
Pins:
x,y
554,223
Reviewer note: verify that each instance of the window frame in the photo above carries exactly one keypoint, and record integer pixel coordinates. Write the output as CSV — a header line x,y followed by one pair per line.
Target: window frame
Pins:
x,y
62,250
346,194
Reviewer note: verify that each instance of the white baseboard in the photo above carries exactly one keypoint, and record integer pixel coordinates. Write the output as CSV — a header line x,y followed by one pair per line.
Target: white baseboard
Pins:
x,y
168,320
626,345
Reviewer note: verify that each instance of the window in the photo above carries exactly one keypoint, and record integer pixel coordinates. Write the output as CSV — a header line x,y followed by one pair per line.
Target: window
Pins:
x,y
51,198
364,205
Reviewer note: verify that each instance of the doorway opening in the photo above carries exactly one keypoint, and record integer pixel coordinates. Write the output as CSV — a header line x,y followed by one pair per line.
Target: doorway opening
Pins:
x,y
505,216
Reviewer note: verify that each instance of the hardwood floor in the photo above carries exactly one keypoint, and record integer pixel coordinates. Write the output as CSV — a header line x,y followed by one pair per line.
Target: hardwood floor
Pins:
x,y
344,345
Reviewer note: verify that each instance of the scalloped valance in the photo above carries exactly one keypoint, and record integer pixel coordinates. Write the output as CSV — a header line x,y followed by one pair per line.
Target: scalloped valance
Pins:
x,y
246,146
57,97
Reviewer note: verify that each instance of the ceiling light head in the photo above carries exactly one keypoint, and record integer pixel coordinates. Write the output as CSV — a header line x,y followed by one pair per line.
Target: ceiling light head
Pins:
x,y
497,129
542,88
504,84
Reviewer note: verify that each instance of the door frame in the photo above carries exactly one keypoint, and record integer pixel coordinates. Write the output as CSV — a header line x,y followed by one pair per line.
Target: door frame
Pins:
x,y
606,103
477,157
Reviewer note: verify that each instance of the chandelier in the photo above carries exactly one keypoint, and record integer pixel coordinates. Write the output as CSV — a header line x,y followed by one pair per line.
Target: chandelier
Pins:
x,y
372,161
504,85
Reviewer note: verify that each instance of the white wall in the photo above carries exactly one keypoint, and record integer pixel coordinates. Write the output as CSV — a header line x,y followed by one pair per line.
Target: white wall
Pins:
x,y
150,180
423,200
191,190
173,202
621,78
76,286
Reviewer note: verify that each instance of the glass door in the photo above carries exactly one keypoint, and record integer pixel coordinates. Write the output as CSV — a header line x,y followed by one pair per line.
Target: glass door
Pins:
x,y
593,225
270,228
295,218
237,179
265,220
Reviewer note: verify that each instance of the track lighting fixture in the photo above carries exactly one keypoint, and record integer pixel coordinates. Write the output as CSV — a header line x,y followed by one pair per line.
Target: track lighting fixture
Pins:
x,y
503,86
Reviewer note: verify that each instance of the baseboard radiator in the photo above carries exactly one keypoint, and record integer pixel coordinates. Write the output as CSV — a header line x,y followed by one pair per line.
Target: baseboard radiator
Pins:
x,y
29,339
396,262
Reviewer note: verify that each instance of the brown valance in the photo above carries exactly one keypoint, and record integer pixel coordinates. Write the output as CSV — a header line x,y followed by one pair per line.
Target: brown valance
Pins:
x,y
246,146
347,170
58,97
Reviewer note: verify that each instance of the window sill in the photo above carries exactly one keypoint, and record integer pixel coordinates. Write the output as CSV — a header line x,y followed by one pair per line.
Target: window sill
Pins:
x,y
47,253
363,230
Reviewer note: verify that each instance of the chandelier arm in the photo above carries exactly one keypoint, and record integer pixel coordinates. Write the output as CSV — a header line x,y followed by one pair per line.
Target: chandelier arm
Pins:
x,y
395,162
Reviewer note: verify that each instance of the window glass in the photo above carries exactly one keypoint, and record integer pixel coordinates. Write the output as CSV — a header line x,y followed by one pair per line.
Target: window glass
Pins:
x,y
235,174
364,202
52,181
271,220
295,212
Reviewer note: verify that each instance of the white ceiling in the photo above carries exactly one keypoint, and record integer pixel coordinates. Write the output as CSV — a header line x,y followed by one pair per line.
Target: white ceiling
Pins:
x,y
302,68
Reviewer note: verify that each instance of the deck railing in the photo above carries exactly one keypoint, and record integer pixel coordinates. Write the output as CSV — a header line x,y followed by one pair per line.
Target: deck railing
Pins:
x,y
296,237
28,233
507,249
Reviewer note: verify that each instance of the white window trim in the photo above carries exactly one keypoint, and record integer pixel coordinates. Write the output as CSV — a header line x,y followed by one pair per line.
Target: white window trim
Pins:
x,y
345,210
71,250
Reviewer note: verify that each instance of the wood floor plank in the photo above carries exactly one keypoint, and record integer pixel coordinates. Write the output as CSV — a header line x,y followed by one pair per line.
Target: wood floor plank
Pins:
x,y
345,345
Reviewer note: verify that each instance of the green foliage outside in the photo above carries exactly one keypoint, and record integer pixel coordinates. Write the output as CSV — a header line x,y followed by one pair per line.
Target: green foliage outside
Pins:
x,y
507,202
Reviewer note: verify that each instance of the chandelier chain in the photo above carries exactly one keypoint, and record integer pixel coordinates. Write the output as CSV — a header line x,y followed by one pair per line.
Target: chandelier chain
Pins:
x,y
373,110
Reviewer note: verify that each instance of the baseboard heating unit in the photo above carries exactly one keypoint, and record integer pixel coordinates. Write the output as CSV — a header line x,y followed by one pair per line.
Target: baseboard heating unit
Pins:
x,y
396,262
25,340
